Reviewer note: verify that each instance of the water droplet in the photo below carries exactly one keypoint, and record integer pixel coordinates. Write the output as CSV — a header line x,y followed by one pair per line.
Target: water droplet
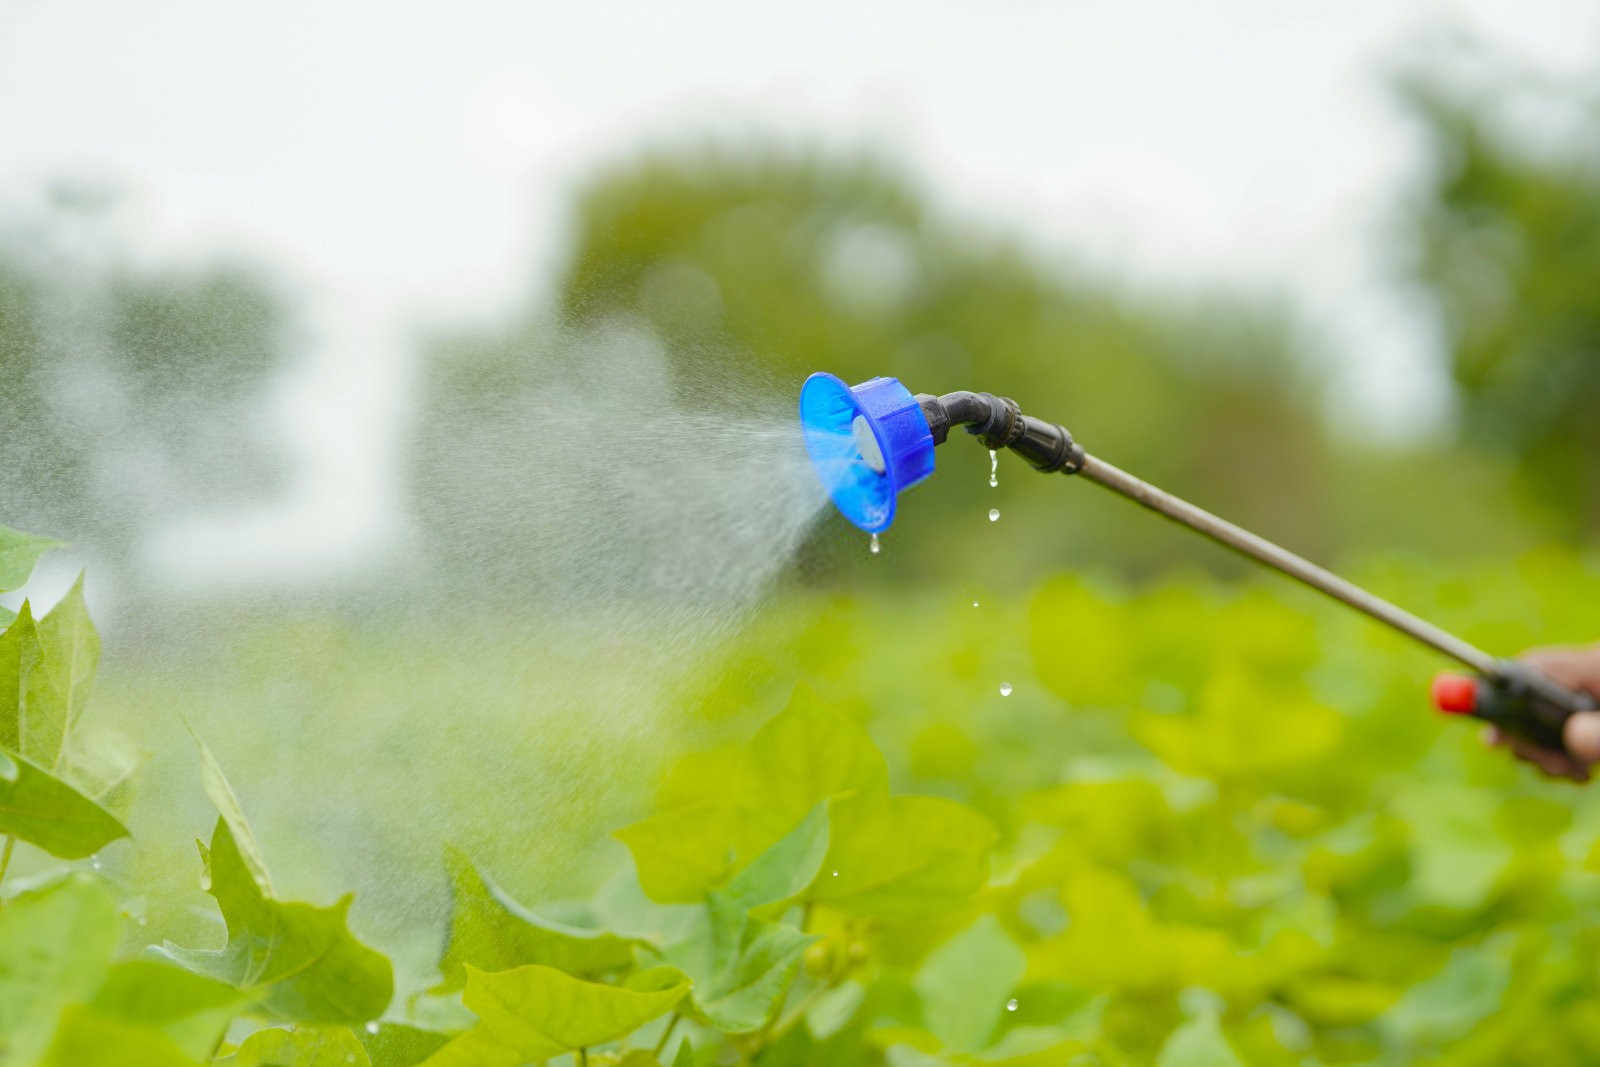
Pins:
x,y
994,514
974,603
205,882
372,1027
95,863
994,469
1011,1005
873,546
835,874
1005,689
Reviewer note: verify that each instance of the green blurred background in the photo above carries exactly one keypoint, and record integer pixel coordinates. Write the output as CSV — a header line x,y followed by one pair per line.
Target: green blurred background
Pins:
x,y
1201,773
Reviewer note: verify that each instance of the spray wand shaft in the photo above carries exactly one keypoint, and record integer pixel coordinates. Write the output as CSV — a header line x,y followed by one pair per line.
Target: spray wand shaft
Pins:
x,y
1281,559
999,422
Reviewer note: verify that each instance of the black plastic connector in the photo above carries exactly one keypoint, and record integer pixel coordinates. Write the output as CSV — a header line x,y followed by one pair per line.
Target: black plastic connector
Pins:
x,y
999,422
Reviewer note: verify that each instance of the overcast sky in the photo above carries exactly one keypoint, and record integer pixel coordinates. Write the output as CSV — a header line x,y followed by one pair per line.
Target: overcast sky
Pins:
x,y
401,163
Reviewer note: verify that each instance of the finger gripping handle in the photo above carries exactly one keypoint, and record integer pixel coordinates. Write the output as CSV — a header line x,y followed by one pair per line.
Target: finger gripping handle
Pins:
x,y
1517,699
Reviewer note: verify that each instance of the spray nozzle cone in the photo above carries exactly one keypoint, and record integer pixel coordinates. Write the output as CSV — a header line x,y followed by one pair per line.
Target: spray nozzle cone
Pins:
x,y
867,442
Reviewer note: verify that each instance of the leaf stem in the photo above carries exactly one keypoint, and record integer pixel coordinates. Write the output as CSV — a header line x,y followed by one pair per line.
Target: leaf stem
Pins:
x,y
583,1057
672,1024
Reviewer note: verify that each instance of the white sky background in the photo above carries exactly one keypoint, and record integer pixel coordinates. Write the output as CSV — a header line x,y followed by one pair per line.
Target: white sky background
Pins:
x,y
410,163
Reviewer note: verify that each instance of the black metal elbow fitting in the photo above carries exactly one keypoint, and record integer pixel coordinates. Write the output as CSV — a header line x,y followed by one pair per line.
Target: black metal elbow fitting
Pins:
x,y
999,422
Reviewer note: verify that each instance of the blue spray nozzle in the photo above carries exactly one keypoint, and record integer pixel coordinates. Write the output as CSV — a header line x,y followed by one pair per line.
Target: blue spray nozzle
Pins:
x,y
867,442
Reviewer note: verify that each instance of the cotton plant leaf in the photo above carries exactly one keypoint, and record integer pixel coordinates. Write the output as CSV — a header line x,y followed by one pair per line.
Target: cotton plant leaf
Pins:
x,y
41,809
104,765
538,1012
72,654
493,932
741,966
18,553
399,1044
904,856
681,853
306,1046
965,984
475,1048
223,798
1198,1043
87,1039
811,752
191,1010
300,962
33,711
1470,987
785,870
56,944
805,756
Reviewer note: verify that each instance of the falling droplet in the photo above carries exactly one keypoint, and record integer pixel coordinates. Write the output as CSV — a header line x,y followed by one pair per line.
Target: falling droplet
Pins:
x,y
994,514
1011,1005
205,882
873,546
1005,689
95,863
372,1027
994,469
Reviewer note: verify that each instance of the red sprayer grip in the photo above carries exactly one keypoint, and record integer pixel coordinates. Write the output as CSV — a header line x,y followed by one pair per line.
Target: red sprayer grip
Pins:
x,y
1517,699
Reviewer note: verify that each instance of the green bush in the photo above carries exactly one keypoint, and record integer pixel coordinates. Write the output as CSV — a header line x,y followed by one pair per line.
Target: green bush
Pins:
x,y
1207,825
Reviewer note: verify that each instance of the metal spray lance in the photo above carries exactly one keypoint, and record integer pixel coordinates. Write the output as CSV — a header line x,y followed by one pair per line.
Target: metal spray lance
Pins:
x,y
872,441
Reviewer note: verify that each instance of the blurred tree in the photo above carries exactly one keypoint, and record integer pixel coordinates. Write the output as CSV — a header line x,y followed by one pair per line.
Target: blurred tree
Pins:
x,y
131,394
754,268
765,265
1508,242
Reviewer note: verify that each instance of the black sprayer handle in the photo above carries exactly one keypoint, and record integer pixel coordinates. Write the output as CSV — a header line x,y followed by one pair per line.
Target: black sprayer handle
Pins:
x,y
1516,699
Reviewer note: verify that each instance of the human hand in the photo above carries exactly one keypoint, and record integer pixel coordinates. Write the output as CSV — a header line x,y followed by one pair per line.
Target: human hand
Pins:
x,y
1576,668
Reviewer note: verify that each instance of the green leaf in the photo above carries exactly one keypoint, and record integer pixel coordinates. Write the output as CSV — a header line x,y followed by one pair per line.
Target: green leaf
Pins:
x,y
475,1048
227,804
33,713
1224,738
785,870
1458,851
71,655
811,752
190,1009
493,932
1467,989
1198,1043
103,764
720,821
306,1046
301,961
539,1012
833,1008
18,553
904,856
966,982
741,966
88,1039
679,854
55,946
43,810
399,1045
